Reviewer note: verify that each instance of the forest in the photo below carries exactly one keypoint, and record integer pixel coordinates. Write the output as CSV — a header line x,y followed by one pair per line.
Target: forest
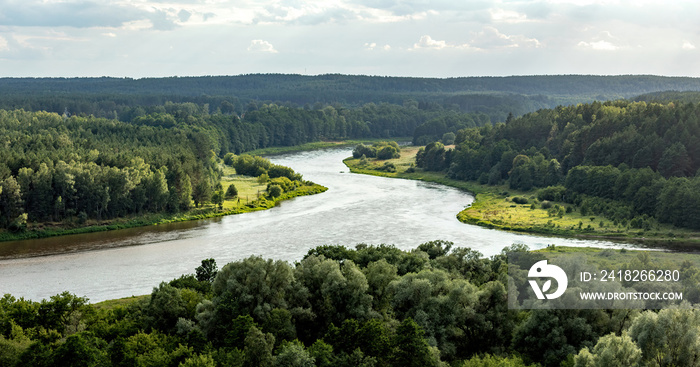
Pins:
x,y
368,306
493,96
71,168
634,162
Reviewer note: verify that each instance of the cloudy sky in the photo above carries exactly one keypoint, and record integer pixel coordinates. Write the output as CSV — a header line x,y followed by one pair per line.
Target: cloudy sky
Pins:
x,y
436,38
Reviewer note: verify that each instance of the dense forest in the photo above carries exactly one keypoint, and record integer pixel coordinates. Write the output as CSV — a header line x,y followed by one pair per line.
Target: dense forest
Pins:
x,y
164,158
368,306
493,96
634,162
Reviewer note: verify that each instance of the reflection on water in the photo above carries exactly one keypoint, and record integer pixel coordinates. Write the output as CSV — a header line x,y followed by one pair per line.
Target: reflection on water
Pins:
x,y
355,209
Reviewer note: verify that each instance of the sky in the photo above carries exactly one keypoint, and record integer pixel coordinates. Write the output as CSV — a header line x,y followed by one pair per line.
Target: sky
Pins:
x,y
419,38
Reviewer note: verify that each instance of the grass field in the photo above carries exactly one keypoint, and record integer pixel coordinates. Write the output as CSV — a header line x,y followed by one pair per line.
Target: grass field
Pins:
x,y
249,189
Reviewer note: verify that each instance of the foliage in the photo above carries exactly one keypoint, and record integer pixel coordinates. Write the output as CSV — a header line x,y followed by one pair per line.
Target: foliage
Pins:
x,y
618,159
371,306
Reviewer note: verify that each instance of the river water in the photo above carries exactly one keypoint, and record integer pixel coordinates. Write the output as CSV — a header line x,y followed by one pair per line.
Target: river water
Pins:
x,y
355,209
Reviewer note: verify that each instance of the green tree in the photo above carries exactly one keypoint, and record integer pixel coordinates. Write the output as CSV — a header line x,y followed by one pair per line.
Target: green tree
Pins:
x,y
231,191
199,360
11,205
201,192
274,191
218,199
293,354
185,193
410,348
258,349
669,337
610,350
82,349
166,306
675,161
207,271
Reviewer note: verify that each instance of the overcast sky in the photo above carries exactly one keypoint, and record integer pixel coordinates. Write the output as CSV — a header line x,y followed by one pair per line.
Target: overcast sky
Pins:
x,y
436,38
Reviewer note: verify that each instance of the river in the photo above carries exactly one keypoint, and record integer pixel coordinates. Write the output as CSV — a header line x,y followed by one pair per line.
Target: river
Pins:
x,y
355,209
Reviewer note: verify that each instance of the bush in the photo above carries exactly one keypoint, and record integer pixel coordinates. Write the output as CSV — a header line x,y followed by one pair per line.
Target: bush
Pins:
x,y
274,190
388,167
546,204
363,160
20,223
276,170
448,138
283,182
388,152
229,159
551,193
364,150
519,200
232,191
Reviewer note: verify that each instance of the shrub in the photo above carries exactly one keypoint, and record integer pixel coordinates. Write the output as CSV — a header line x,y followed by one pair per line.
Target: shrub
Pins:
x,y
283,182
388,167
229,159
546,204
232,191
520,200
551,193
274,190
388,152
364,150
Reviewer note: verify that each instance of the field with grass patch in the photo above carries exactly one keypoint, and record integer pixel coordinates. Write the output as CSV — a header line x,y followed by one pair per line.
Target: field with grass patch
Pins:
x,y
494,207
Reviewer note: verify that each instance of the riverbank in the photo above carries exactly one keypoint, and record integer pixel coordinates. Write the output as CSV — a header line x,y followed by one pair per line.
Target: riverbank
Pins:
x,y
250,199
319,145
499,207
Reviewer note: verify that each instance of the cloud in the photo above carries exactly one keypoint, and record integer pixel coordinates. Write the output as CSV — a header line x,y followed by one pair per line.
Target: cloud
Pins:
x,y
261,46
605,41
162,21
507,16
688,46
79,14
427,42
303,13
598,45
4,46
184,15
371,46
490,37
409,7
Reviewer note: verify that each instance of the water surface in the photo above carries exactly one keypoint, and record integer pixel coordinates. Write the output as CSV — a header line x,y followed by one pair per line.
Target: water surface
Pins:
x,y
355,209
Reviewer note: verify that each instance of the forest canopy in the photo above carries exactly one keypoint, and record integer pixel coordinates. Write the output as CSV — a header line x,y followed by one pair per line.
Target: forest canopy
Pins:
x,y
436,305
634,162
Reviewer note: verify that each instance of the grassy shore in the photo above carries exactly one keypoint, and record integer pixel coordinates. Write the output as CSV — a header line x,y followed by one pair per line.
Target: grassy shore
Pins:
x,y
493,207
317,145
251,197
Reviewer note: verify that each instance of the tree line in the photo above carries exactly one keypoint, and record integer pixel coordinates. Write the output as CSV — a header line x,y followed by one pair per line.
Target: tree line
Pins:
x,y
369,306
631,161
58,168
495,97
64,167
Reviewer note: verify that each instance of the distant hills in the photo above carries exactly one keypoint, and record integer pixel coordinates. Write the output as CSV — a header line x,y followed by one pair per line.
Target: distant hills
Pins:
x,y
494,96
